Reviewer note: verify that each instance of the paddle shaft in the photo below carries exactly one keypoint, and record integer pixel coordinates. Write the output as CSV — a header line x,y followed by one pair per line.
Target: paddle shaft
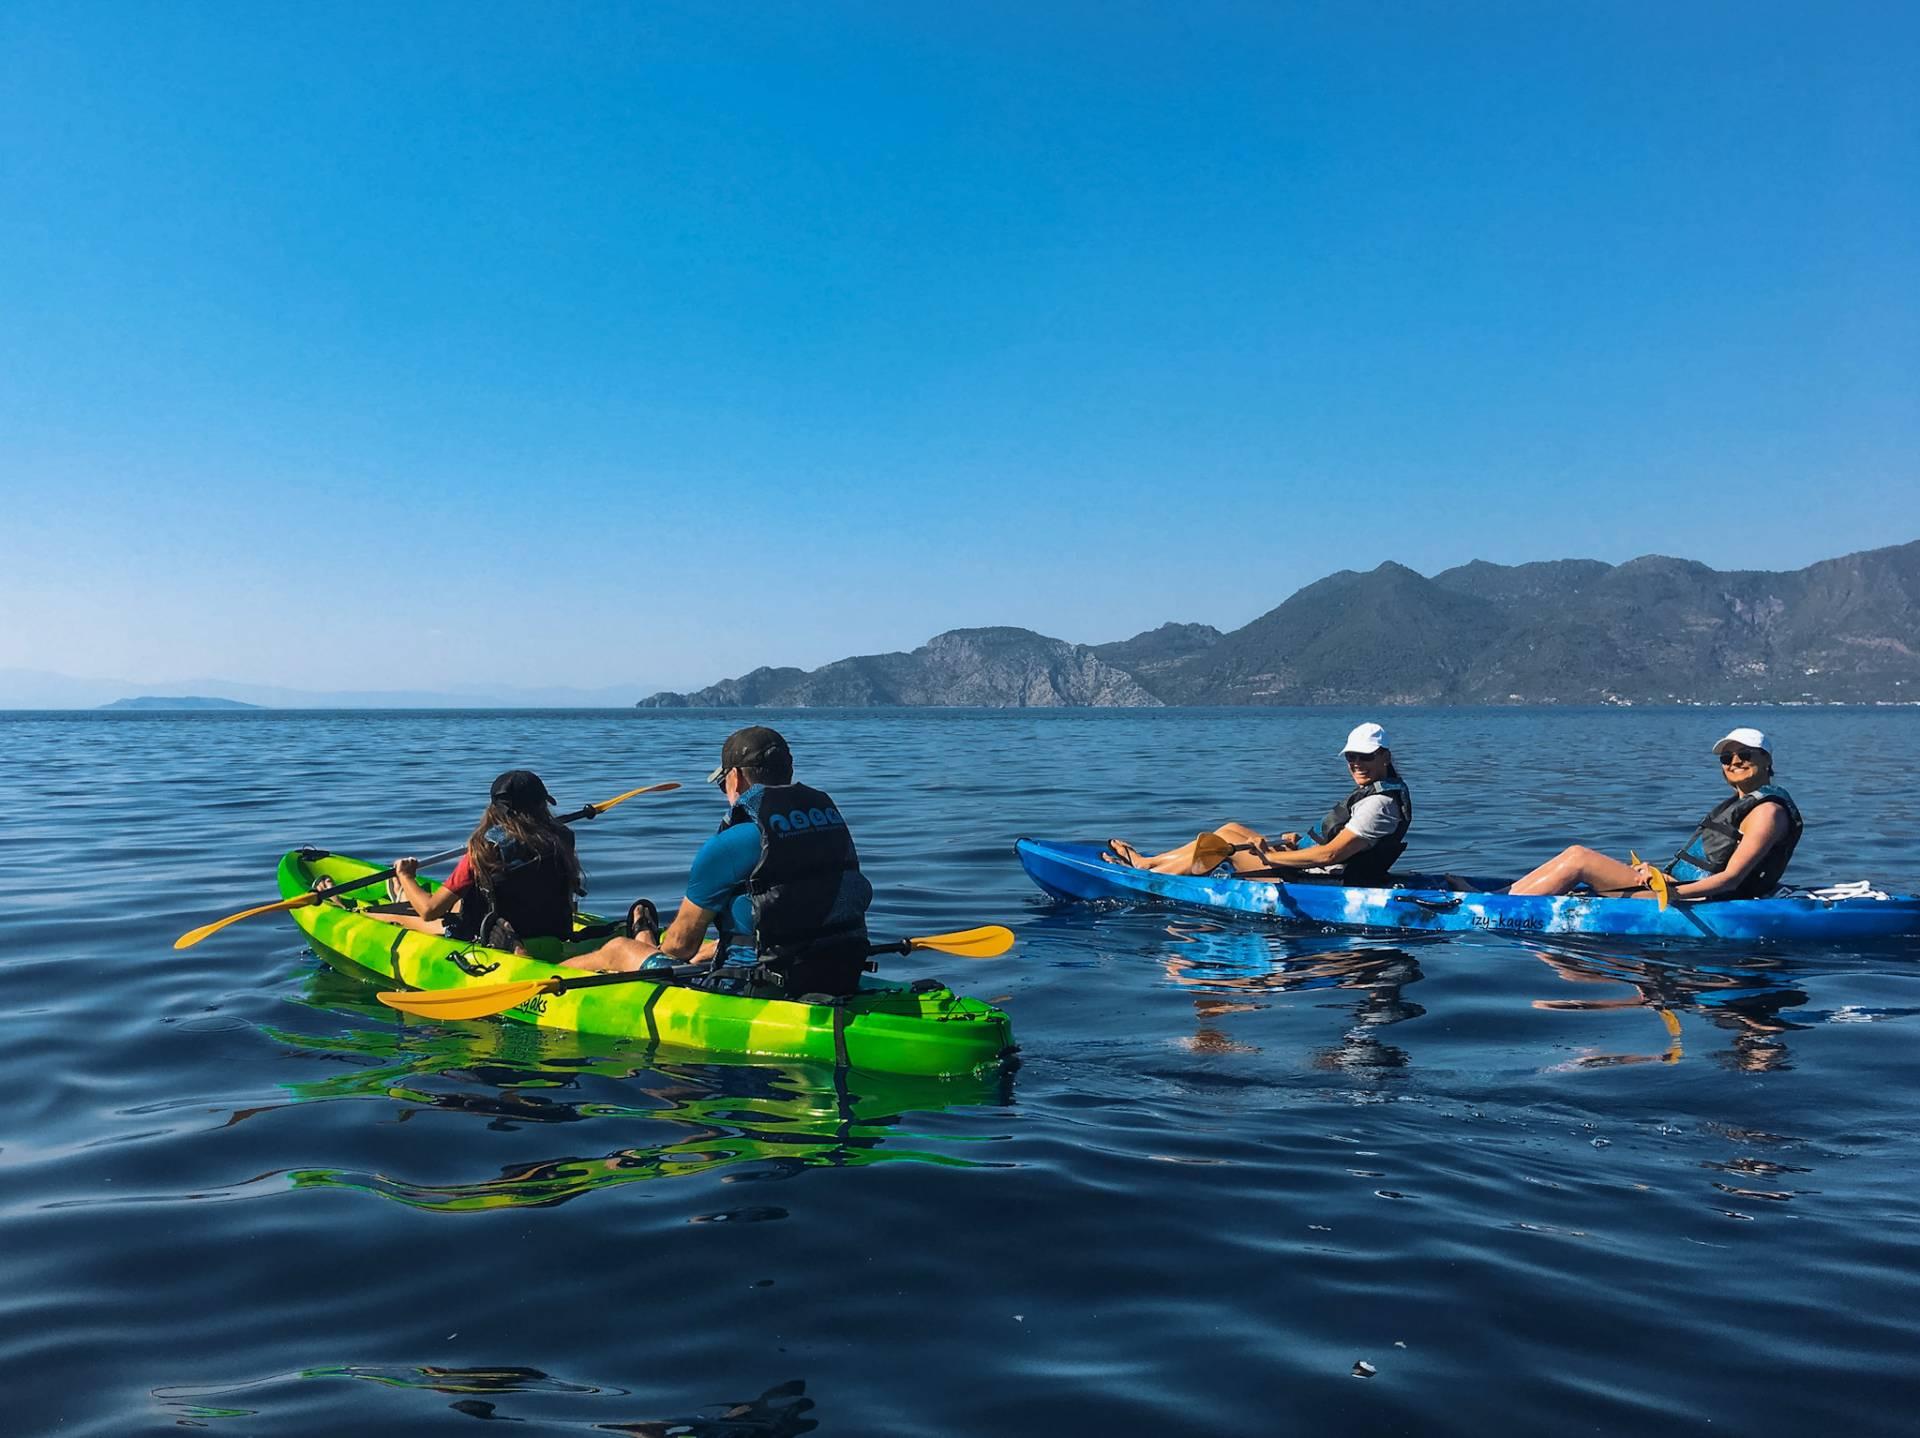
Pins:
x,y
484,1000
679,972
591,811
301,901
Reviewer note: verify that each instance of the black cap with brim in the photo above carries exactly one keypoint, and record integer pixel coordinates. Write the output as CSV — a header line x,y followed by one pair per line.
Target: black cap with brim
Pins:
x,y
752,748
520,789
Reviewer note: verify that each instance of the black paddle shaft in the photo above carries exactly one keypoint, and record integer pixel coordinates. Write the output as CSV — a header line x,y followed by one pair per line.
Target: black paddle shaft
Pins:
x,y
592,811
682,972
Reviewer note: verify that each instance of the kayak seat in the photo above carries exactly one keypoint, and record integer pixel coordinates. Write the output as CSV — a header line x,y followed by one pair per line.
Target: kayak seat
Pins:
x,y
1453,883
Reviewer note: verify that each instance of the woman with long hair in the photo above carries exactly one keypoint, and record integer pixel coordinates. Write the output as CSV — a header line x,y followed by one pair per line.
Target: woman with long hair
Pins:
x,y
517,880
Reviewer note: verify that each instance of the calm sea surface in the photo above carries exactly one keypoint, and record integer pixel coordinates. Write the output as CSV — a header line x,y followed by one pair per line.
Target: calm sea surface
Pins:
x,y
1532,1187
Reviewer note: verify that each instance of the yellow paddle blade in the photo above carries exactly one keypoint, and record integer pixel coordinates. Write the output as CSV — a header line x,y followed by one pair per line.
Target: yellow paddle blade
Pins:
x,y
1657,881
194,936
602,808
479,1002
1210,851
986,942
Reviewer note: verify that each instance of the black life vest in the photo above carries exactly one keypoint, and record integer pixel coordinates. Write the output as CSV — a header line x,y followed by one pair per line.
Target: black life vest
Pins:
x,y
809,897
1713,843
1370,866
533,895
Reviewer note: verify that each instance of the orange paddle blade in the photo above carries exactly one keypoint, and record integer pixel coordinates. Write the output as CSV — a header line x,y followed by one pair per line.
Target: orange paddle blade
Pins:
x,y
194,936
986,942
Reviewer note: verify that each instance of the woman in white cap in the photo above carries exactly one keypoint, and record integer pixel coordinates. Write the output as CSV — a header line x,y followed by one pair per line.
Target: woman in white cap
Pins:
x,y
1357,843
1739,851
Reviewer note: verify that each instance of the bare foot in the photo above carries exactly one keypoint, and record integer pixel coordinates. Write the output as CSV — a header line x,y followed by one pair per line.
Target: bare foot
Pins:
x,y
1119,851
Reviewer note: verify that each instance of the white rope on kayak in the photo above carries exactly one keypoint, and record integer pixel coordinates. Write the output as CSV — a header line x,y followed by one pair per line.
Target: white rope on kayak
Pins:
x,y
1857,889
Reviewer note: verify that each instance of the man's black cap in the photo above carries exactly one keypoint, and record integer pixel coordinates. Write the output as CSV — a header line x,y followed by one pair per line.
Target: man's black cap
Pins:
x,y
757,747
521,789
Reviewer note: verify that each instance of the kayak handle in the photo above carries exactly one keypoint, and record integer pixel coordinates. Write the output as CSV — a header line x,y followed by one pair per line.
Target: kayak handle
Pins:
x,y
1432,906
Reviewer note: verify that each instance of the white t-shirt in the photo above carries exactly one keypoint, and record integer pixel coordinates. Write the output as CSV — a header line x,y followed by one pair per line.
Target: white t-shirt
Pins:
x,y
1374,817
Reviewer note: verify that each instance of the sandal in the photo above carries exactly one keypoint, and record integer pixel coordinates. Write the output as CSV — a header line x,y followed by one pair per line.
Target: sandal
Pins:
x,y
643,918
1119,851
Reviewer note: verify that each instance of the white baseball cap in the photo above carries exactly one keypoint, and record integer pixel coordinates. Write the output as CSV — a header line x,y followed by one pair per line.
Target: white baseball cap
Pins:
x,y
1369,737
1746,739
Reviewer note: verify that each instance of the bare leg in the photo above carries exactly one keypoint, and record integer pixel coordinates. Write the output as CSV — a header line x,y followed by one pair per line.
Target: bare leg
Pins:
x,y
1578,865
1182,860
617,955
624,956
1244,860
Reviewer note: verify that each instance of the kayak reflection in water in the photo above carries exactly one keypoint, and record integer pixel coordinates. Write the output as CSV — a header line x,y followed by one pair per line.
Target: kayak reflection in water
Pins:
x,y
1739,851
1356,843
1232,971
1744,996
516,881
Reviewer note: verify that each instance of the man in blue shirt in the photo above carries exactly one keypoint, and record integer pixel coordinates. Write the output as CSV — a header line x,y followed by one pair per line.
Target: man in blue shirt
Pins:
x,y
781,877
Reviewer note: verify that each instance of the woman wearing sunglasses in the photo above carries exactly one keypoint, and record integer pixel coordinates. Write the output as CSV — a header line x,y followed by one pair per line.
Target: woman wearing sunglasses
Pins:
x,y
1357,843
1739,851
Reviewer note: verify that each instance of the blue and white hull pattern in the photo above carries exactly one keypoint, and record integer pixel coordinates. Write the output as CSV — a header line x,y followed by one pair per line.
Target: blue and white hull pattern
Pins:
x,y
1426,903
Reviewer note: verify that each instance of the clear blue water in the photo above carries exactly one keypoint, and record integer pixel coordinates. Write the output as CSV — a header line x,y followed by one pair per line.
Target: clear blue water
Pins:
x,y
1535,1187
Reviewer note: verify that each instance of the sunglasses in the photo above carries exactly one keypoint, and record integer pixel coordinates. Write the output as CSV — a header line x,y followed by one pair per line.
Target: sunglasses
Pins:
x,y
1354,761
1738,756
721,782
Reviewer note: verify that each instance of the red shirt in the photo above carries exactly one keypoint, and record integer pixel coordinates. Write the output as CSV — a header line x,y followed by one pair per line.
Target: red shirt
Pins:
x,y
462,875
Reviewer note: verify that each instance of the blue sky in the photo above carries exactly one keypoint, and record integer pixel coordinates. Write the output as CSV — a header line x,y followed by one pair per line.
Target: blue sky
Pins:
x,y
656,342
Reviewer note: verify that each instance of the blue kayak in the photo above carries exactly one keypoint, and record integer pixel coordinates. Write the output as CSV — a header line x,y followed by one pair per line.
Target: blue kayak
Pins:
x,y
1428,902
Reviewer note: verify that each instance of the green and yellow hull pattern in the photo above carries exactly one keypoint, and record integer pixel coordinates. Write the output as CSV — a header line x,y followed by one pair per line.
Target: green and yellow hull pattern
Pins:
x,y
924,1029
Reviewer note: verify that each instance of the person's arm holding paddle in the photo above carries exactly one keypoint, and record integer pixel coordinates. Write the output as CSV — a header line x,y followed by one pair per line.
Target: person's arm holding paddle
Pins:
x,y
1759,832
1337,850
439,903
716,883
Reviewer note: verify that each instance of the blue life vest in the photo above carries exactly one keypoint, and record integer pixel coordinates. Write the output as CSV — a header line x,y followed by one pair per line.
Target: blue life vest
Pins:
x,y
532,894
1713,843
809,897
1370,866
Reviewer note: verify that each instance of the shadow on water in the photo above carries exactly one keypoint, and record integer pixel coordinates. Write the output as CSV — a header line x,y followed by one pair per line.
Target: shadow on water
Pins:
x,y
500,1394
774,1120
1233,969
1744,996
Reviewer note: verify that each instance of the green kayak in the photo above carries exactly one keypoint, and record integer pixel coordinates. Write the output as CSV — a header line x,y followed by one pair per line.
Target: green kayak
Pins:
x,y
920,1028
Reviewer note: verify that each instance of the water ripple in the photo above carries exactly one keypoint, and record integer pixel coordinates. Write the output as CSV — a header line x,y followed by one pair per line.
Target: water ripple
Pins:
x,y
1242,1178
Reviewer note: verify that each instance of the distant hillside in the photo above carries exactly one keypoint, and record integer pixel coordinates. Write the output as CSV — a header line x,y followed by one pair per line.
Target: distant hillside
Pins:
x,y
1651,631
986,668
1158,650
179,701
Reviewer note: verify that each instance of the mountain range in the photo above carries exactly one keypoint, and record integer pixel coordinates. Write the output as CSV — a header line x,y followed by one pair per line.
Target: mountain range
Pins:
x,y
1572,631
